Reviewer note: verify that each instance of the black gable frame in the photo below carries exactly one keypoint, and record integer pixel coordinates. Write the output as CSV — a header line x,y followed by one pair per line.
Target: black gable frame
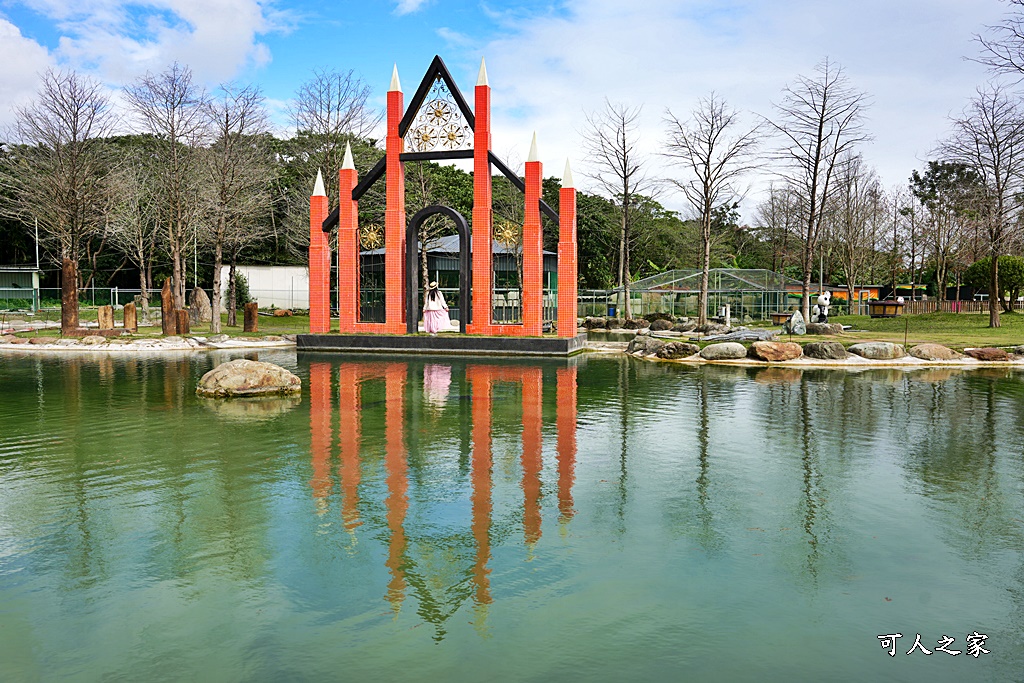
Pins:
x,y
436,68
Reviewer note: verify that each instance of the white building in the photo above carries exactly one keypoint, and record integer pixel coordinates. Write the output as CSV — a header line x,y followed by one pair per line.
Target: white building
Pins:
x,y
279,286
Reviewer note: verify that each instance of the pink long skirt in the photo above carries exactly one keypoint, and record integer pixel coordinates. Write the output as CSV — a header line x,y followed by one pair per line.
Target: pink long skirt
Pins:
x,y
436,321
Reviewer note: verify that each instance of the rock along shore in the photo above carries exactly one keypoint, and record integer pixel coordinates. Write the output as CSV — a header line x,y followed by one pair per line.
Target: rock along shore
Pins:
x,y
830,354
96,343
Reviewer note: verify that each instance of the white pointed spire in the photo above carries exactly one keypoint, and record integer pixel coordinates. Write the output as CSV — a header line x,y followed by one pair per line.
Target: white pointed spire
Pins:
x,y
347,164
318,187
396,86
567,181
533,149
482,78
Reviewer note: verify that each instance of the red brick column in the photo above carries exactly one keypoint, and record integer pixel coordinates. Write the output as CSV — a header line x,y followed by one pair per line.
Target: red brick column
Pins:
x,y
567,264
348,252
533,258
394,218
481,240
319,266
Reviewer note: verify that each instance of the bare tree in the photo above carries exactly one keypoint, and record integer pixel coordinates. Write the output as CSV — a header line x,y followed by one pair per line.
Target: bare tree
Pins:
x,y
820,118
776,219
135,224
610,140
57,172
1003,48
989,138
329,110
852,212
715,152
171,108
238,174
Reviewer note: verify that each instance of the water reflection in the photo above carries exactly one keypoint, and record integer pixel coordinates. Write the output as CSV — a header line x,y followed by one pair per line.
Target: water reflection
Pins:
x,y
400,416
523,502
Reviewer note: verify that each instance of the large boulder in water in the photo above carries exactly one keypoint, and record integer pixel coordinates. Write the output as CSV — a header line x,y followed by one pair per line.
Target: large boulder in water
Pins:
x,y
677,350
724,351
248,378
775,351
934,352
645,345
878,350
825,351
988,354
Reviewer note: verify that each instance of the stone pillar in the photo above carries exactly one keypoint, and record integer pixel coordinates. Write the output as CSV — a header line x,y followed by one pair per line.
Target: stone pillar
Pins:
x,y
131,319
482,285
568,278
168,322
68,296
105,317
251,322
319,262
348,246
394,214
533,255
182,318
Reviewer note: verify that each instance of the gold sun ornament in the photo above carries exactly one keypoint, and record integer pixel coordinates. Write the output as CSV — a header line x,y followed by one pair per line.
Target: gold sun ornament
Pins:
x,y
453,136
371,237
507,233
438,112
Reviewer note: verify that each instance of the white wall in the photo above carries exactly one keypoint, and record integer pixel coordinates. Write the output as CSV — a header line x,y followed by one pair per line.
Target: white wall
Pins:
x,y
280,286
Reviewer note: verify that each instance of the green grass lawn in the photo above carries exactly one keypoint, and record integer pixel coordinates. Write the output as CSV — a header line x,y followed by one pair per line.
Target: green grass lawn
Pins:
x,y
955,330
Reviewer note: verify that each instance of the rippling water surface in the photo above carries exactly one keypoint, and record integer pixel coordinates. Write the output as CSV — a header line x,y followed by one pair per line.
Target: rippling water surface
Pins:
x,y
589,520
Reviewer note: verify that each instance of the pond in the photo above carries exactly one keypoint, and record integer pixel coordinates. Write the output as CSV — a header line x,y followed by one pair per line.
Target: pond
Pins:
x,y
597,519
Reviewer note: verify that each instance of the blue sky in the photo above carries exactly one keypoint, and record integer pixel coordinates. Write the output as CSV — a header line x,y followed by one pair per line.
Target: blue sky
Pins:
x,y
549,62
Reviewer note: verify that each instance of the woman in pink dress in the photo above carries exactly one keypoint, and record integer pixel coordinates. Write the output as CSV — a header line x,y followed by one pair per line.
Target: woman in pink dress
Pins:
x,y
435,311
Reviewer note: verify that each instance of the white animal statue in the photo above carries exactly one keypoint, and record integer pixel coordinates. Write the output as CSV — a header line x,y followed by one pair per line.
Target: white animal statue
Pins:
x,y
819,312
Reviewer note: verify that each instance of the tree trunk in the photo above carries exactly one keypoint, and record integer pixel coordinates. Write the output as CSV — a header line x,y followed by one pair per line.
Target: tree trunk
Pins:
x,y
68,296
232,302
705,264
805,287
177,276
218,262
993,292
624,308
143,290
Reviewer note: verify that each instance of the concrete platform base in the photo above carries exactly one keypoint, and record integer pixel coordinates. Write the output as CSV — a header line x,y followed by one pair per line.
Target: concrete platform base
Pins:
x,y
443,344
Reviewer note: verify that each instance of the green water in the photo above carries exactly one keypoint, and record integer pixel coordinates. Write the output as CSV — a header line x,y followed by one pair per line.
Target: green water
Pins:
x,y
590,520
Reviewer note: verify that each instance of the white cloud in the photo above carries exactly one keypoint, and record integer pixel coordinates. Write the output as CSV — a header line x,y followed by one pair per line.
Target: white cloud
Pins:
x,y
120,40
547,70
409,6
23,60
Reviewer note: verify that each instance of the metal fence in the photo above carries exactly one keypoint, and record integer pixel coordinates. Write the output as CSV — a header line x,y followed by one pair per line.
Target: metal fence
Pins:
x,y
757,305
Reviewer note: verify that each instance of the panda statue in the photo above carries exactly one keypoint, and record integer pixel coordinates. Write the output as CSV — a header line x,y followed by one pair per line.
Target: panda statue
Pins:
x,y
819,312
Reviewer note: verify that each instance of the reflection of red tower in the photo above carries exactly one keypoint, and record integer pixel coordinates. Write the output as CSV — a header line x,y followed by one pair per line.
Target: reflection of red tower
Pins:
x,y
566,421
350,404
320,432
533,421
481,497
397,478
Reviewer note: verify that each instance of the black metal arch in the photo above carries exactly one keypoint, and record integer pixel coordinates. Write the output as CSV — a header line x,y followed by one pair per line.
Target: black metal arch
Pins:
x,y
412,299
